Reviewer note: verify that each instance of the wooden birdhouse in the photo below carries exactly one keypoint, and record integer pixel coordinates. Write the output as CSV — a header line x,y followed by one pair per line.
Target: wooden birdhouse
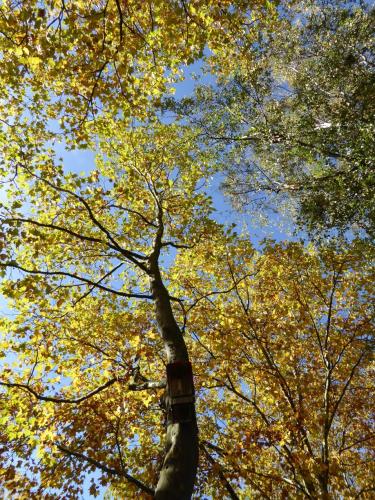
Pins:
x,y
181,391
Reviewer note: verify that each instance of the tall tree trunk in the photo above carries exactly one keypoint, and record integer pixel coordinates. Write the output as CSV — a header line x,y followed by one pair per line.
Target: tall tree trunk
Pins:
x,y
178,472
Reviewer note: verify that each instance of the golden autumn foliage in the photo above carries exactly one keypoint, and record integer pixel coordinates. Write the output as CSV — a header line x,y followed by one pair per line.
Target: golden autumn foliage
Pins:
x,y
116,272
279,339
78,61
285,371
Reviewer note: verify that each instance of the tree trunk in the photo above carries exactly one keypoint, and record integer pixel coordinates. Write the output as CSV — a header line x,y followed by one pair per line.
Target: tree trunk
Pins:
x,y
178,472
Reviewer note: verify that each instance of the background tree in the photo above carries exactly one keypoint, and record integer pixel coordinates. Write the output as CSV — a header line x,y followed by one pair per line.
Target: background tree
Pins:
x,y
292,116
287,410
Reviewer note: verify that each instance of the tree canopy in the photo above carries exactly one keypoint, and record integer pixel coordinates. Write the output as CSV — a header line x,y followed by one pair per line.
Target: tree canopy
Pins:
x,y
293,117
121,277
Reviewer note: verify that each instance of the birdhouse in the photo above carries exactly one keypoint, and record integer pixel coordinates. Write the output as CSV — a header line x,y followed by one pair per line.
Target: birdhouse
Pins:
x,y
181,391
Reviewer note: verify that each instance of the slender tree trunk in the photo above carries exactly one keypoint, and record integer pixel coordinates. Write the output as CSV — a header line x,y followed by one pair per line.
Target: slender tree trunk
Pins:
x,y
178,472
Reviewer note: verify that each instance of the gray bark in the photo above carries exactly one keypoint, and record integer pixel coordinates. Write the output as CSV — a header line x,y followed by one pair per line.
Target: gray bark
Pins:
x,y
179,468
178,472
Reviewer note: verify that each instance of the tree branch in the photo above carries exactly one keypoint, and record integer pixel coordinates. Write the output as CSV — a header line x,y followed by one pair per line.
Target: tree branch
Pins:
x,y
105,468
53,399
135,212
14,265
148,385
132,256
347,383
82,237
227,485
97,283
